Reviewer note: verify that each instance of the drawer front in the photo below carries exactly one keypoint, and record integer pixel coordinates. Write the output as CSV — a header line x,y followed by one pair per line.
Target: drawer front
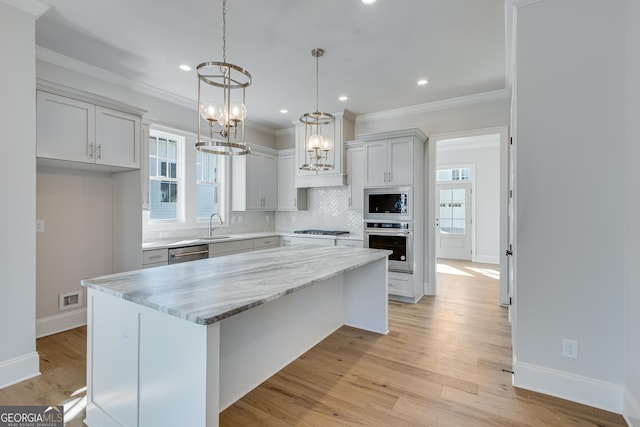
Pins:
x,y
266,242
400,286
294,240
230,247
154,264
350,243
155,256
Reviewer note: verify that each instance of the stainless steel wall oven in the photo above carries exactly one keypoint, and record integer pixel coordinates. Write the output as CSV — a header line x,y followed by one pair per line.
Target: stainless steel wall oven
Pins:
x,y
394,236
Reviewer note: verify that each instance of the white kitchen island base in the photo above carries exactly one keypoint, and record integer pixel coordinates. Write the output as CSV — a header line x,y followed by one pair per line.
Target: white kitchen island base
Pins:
x,y
149,368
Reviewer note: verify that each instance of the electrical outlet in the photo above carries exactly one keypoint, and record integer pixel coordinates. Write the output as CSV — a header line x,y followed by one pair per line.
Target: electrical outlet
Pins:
x,y
40,226
570,348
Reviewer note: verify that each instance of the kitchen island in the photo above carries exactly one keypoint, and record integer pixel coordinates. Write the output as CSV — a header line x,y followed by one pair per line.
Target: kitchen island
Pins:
x,y
176,345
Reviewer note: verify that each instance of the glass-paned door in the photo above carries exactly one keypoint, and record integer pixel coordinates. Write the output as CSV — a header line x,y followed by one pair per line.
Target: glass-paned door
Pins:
x,y
454,221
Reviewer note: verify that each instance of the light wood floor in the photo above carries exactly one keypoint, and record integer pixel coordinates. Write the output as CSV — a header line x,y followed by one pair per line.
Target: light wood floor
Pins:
x,y
443,363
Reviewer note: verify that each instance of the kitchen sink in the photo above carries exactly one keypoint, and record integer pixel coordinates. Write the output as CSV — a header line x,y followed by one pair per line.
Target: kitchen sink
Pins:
x,y
212,238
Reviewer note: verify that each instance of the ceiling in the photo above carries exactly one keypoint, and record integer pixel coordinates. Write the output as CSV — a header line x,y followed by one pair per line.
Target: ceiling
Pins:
x,y
374,54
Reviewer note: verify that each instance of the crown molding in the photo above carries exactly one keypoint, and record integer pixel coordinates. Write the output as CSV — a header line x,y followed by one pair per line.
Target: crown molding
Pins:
x,y
468,144
436,106
72,64
32,7
286,131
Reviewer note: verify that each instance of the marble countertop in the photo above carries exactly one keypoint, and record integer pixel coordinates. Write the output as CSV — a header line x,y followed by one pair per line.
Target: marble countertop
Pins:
x,y
209,290
177,242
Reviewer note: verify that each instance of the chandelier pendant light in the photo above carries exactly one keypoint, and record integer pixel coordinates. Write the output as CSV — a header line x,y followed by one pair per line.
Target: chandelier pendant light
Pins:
x,y
319,133
221,103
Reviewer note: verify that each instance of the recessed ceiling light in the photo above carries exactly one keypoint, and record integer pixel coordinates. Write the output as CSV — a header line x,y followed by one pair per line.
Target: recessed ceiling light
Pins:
x,y
185,67
284,111
368,1
343,98
422,82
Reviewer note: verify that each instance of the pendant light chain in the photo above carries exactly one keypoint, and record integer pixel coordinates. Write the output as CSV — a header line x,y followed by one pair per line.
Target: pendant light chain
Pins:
x,y
317,84
224,30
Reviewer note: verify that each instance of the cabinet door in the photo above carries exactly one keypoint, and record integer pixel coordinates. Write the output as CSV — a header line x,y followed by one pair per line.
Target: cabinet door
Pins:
x,y
286,183
253,181
375,163
268,182
64,128
400,161
117,138
355,177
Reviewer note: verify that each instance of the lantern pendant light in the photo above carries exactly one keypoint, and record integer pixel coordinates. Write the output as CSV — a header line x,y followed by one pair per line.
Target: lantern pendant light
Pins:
x,y
221,103
319,133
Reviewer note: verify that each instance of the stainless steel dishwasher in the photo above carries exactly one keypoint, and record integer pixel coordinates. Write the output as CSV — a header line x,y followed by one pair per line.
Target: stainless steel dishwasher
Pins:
x,y
188,253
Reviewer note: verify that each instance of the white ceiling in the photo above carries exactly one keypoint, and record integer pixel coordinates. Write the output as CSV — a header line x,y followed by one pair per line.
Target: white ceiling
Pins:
x,y
374,54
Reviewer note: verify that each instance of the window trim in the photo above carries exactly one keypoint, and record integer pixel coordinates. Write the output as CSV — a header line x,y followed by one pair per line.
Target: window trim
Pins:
x,y
186,175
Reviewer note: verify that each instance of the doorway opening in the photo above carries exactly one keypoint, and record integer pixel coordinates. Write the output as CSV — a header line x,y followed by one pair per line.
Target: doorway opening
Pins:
x,y
467,189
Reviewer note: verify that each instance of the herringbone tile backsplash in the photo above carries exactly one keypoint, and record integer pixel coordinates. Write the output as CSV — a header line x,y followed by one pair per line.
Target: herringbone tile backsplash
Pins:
x,y
327,210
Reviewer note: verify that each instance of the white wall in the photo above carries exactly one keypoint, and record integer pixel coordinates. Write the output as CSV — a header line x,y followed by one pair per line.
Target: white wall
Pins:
x,y
76,207
18,357
631,216
486,160
570,109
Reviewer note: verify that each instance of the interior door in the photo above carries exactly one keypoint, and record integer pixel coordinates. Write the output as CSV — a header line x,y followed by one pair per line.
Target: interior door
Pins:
x,y
453,222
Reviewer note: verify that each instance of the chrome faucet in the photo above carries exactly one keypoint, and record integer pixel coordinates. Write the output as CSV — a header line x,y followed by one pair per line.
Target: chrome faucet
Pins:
x,y
211,227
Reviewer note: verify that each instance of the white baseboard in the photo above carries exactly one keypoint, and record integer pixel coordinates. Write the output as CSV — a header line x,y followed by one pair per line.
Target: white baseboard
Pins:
x,y
577,388
631,409
487,259
19,369
60,322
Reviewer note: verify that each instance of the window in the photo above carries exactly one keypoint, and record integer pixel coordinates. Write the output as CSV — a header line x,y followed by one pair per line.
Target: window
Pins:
x,y
453,211
206,185
163,178
185,185
456,174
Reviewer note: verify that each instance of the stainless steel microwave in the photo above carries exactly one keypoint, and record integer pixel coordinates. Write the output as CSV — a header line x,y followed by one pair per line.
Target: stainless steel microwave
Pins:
x,y
390,203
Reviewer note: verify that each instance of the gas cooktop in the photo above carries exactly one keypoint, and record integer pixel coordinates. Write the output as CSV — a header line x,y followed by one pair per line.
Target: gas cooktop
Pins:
x,y
322,232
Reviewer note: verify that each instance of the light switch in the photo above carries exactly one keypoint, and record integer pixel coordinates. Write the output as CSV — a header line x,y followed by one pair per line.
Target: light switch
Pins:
x,y
40,226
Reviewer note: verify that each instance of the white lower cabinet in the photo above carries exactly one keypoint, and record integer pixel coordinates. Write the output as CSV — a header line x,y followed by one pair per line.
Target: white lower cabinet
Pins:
x,y
228,248
351,243
155,258
404,287
299,240
238,246
266,242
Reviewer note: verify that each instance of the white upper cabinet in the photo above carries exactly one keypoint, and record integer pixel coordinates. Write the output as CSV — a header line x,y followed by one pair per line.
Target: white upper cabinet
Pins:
x,y
65,128
335,177
390,158
254,179
290,198
117,138
355,175
78,131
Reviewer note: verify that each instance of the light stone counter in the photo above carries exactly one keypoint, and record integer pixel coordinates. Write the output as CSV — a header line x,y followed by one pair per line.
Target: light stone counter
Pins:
x,y
209,290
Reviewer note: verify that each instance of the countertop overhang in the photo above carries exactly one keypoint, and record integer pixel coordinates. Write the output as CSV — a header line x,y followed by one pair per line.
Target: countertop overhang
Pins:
x,y
209,290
